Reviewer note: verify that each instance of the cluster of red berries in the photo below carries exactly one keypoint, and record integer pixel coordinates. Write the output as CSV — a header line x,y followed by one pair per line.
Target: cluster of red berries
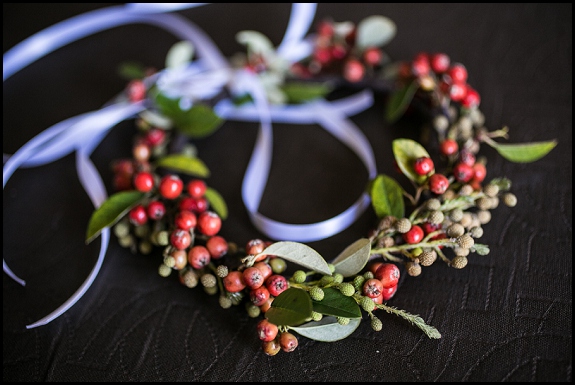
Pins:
x,y
336,53
437,72
383,286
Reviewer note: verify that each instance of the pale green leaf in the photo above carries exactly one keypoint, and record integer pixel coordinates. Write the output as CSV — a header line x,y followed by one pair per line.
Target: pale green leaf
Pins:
x,y
297,92
504,184
256,42
336,304
217,202
180,54
353,258
300,254
327,329
523,152
406,151
111,211
291,308
399,101
387,197
182,163
375,31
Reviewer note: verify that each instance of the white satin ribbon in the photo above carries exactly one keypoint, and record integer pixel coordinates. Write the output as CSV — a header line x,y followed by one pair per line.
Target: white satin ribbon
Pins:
x,y
83,133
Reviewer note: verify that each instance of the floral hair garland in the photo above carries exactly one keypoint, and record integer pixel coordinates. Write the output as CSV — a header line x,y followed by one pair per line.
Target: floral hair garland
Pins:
x,y
163,206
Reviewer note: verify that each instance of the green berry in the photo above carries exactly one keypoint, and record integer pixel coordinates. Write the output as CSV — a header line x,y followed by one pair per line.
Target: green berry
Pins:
x,y
316,293
343,320
476,232
190,279
145,247
456,215
253,310
386,223
433,204
326,280
466,190
459,262
316,316
299,276
142,231
278,265
164,270
455,230
483,203
510,199
367,275
403,225
347,289
491,190
126,241
436,217
376,324
170,262
121,229
484,216
337,278
225,302
461,251
413,268
331,267
163,238
222,271
358,282
367,304
211,290
427,257
465,241
208,280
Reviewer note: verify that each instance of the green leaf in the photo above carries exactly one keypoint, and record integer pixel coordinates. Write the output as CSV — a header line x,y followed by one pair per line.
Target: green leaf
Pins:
x,y
111,211
291,308
480,249
375,31
180,54
217,202
298,92
300,254
185,164
327,329
399,101
406,151
387,197
336,304
523,152
353,258
131,71
197,122
415,320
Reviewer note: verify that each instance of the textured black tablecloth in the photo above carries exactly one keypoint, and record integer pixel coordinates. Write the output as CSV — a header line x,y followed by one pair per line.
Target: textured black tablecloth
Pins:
x,y
506,317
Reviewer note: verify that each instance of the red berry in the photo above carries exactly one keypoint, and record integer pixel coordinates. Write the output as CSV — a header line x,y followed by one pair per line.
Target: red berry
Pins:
x,y
438,183
457,92
180,239
423,166
389,292
353,70
217,246
136,90
201,205
372,56
430,227
458,73
288,342
180,259
439,62
462,172
253,277
388,274
471,99
449,147
197,188
265,268
255,246
124,167
234,282
325,29
467,157
171,186
186,220
379,298
414,235
372,288
276,284
144,181
404,70
322,55
267,331
156,210
420,64
209,223
122,182
479,172
374,266
338,51
155,137
138,215
198,257
259,296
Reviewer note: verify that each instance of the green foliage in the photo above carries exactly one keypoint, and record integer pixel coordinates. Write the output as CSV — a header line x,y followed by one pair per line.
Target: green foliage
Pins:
x,y
291,308
387,197
336,304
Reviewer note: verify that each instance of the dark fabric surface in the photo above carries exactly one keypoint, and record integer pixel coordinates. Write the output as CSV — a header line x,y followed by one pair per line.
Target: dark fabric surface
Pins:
x,y
506,317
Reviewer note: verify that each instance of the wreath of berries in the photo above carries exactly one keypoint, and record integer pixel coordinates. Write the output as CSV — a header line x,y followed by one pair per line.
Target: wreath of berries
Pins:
x,y
164,206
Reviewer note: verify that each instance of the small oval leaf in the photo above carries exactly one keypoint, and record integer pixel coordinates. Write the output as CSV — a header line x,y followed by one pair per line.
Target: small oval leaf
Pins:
x,y
327,329
217,202
387,197
336,304
375,31
185,164
291,308
302,92
300,254
180,54
524,152
399,101
406,151
353,258
111,211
